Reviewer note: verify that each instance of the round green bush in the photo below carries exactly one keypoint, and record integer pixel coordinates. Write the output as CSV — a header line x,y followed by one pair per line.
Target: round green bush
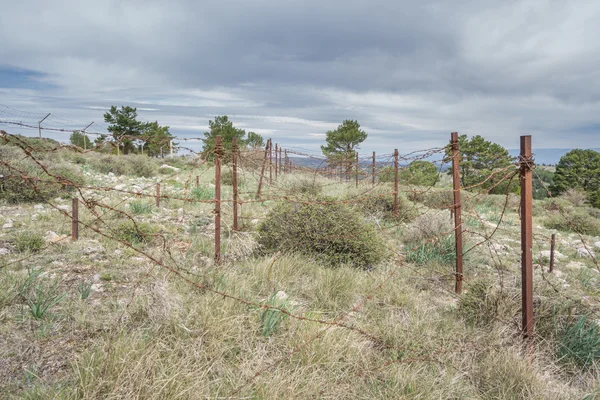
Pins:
x,y
379,202
331,233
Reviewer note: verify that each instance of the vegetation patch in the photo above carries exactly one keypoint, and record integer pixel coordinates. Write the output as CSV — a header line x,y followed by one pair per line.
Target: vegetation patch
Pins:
x,y
332,233
29,242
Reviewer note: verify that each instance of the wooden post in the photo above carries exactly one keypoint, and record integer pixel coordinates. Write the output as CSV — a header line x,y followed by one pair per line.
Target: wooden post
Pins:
x,y
456,210
357,169
157,195
395,182
75,219
262,172
235,184
218,150
373,170
552,244
526,163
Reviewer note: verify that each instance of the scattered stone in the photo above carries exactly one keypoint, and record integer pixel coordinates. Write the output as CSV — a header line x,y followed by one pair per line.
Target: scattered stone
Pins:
x,y
546,254
575,265
255,221
120,187
38,207
583,252
281,295
97,287
174,169
96,278
34,217
8,224
4,251
64,207
93,250
118,252
111,175
597,244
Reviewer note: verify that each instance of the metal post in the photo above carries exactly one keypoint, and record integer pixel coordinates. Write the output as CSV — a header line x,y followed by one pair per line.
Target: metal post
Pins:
x,y
262,171
235,183
356,169
395,182
85,136
457,212
198,180
270,162
218,149
158,195
552,244
526,163
75,219
276,161
40,125
373,170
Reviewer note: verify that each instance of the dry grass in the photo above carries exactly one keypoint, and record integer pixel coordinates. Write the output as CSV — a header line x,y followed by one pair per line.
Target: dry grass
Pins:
x,y
147,331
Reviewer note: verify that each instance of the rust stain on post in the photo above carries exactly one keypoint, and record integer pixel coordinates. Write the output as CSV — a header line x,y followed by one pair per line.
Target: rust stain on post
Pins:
x,y
395,182
158,195
526,163
270,162
456,211
552,244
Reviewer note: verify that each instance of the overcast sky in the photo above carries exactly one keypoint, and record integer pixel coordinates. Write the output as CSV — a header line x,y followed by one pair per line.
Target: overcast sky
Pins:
x,y
409,71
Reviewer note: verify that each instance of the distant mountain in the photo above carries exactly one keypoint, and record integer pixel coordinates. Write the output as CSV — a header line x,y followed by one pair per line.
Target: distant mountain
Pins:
x,y
546,156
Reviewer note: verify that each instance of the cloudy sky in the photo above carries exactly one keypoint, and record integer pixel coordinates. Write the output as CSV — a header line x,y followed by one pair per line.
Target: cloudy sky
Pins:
x,y
409,71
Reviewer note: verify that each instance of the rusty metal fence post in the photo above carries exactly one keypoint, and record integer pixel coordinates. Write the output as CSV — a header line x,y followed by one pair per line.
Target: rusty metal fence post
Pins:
x,y
235,183
75,219
526,165
158,195
356,169
276,161
270,162
262,171
198,180
456,211
373,170
552,245
280,167
395,182
218,153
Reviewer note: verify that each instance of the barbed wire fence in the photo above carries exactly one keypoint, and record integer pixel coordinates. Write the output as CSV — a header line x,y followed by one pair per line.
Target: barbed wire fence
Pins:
x,y
272,171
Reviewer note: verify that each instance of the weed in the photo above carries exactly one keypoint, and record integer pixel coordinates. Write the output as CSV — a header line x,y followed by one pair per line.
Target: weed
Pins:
x,y
134,233
29,241
439,251
271,319
42,298
140,207
84,288
202,193
579,343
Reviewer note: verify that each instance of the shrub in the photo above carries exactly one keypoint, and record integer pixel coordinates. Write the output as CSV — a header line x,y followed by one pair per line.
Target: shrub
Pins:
x,y
578,221
134,233
441,199
426,227
579,343
440,251
202,193
379,201
576,197
332,233
386,174
303,186
41,187
227,178
29,241
140,207
481,303
131,164
271,319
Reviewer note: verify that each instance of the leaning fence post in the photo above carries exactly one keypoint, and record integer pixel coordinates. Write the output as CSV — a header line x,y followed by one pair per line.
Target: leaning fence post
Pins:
x,y
373,170
75,219
235,184
395,182
218,149
157,195
552,244
262,171
526,164
456,211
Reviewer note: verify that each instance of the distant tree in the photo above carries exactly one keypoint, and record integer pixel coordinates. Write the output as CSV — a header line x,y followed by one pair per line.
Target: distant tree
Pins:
x,y
419,172
479,158
254,140
579,169
124,127
342,143
223,127
543,180
80,140
156,137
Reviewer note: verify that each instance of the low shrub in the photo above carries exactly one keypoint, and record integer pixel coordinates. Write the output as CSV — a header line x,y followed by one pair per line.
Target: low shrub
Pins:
x,y
578,198
29,242
331,233
59,180
439,251
202,193
578,221
140,207
440,199
227,178
426,227
303,186
379,202
134,233
131,164
482,302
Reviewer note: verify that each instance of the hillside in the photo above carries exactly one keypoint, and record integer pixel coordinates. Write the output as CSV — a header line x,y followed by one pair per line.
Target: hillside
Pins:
x,y
137,307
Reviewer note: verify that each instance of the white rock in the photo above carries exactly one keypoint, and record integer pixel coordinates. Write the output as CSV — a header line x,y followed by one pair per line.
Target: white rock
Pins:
x,y
118,252
93,250
546,254
38,207
8,224
96,278
64,208
597,244
111,175
4,251
175,169
120,187
97,287
281,295
575,265
255,221
583,252
34,217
